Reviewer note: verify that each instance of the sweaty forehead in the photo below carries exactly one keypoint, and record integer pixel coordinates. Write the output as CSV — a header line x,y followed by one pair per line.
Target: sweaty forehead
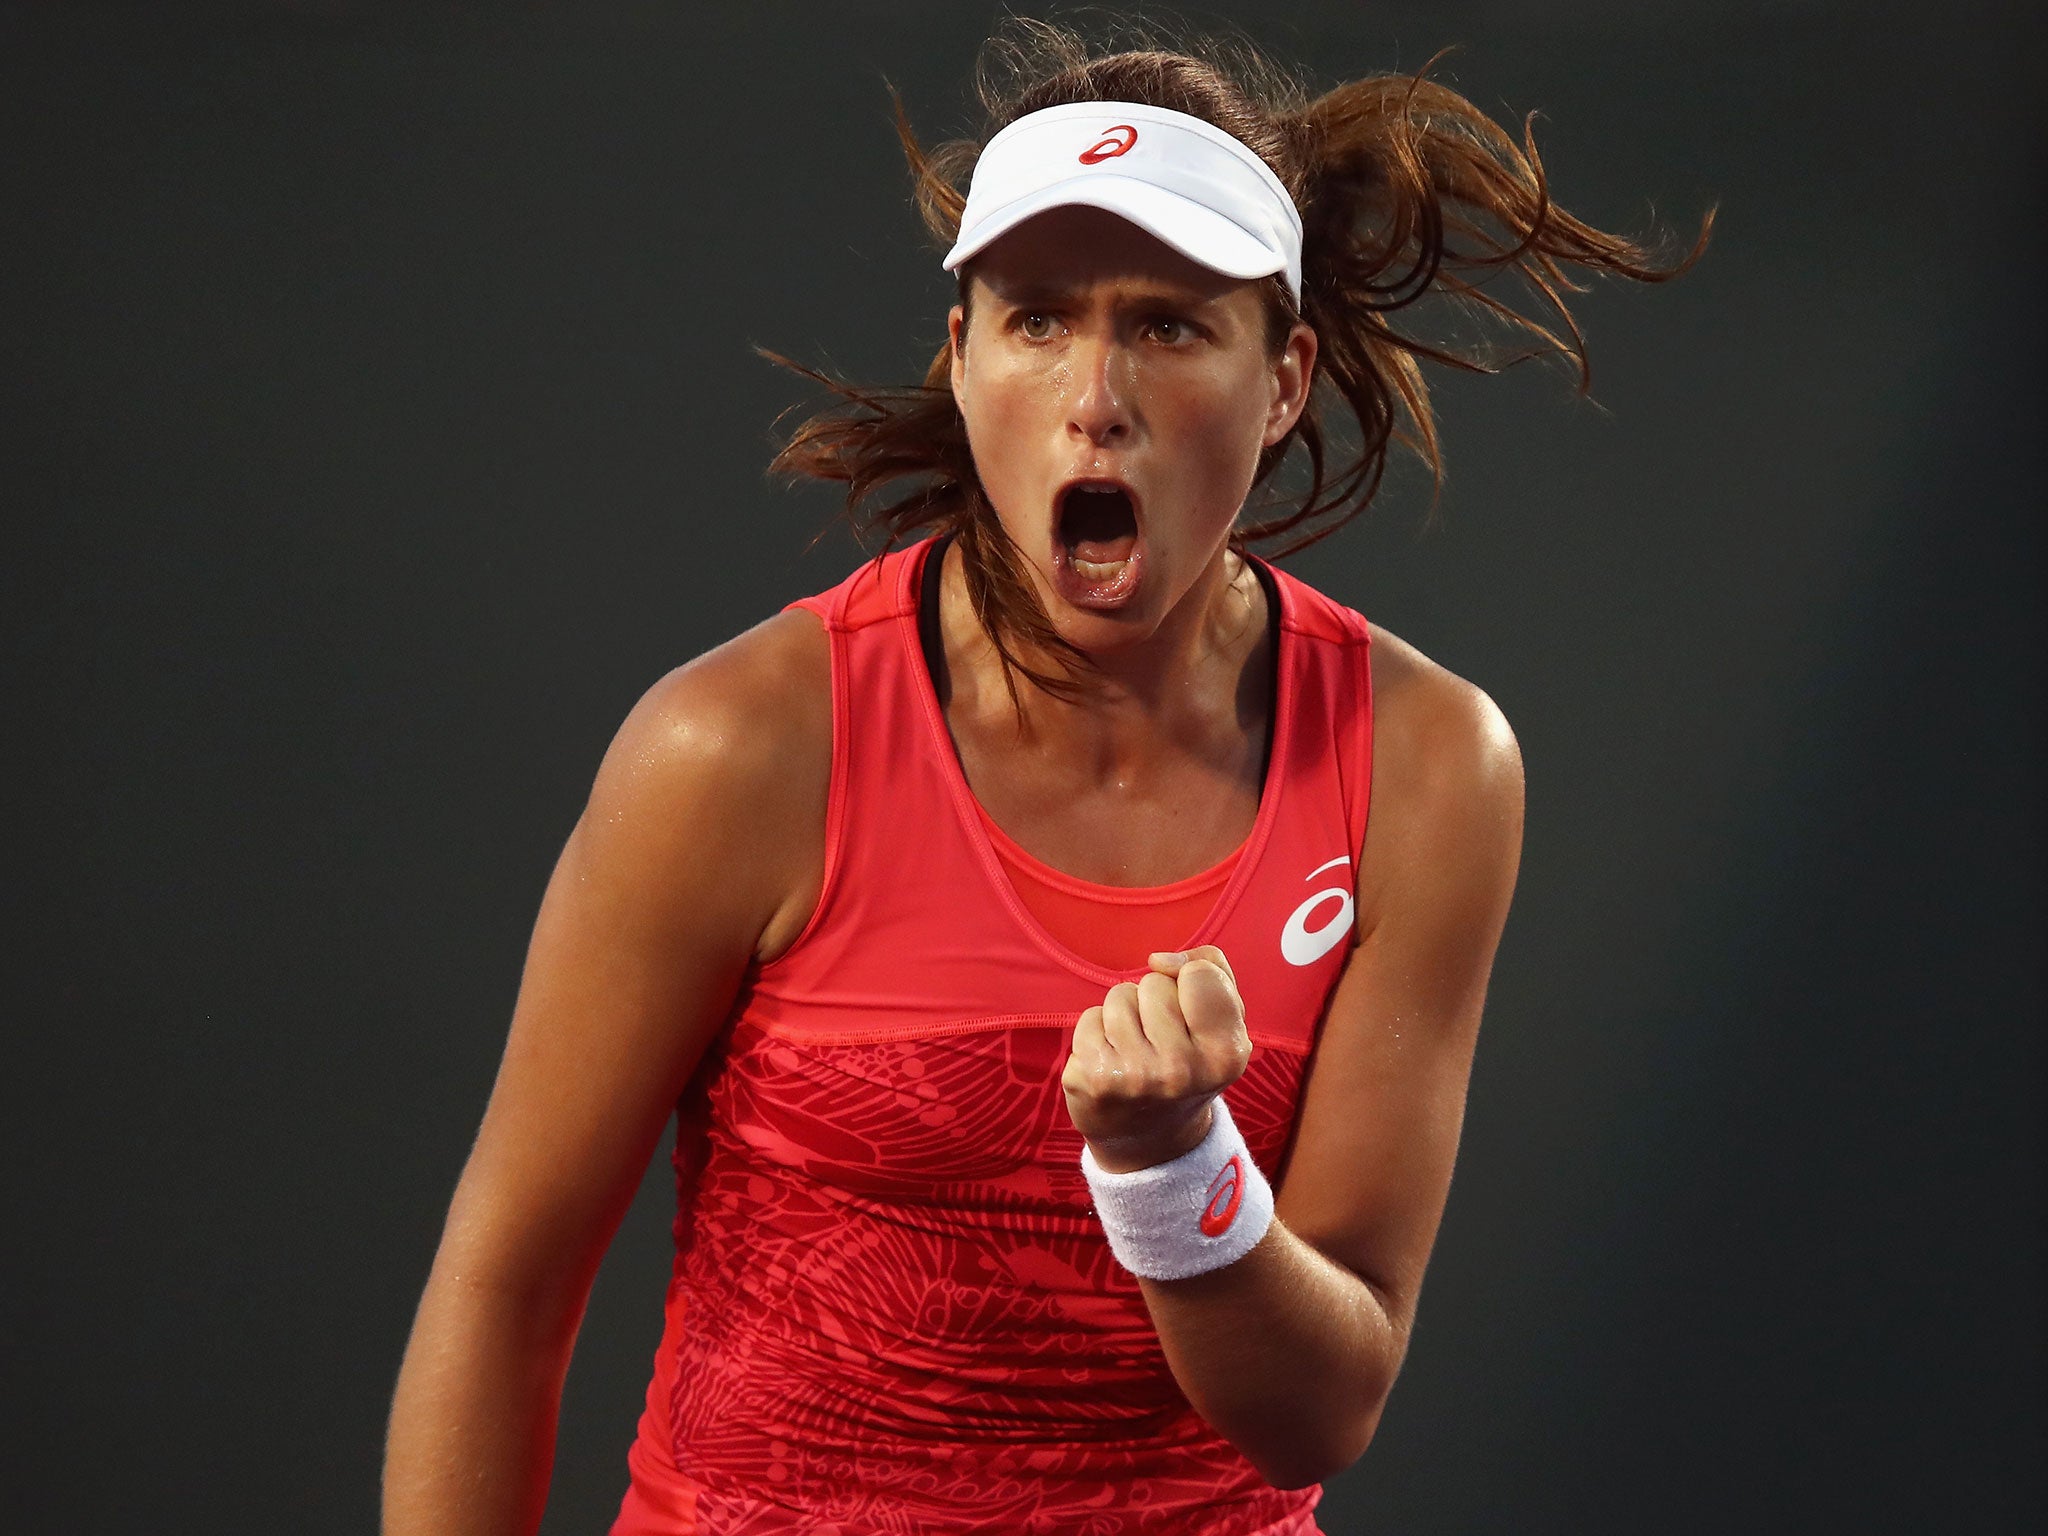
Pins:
x,y
1069,250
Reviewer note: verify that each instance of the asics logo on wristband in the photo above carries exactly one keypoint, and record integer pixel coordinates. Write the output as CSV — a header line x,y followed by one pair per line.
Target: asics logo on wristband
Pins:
x,y
1303,945
1226,1194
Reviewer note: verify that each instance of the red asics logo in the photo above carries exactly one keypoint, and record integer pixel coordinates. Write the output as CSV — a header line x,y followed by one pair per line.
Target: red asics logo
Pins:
x,y
1110,145
1226,1193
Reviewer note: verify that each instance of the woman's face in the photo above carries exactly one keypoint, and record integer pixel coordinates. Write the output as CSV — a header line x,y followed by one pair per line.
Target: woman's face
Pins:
x,y
1117,397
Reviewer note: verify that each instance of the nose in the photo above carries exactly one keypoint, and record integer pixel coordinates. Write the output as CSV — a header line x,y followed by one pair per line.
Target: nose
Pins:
x,y
1099,407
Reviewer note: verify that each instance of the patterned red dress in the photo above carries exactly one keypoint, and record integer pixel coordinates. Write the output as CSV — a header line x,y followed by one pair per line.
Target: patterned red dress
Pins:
x,y
893,1310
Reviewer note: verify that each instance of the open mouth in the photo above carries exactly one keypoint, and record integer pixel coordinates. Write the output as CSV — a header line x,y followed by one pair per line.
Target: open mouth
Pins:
x,y
1098,528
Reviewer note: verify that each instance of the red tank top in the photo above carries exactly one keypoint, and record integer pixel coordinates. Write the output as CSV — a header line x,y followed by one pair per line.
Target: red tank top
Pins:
x,y
892,1308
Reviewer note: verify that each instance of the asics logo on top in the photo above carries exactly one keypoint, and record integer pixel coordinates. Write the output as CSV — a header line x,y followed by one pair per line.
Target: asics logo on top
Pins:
x,y
1117,141
1303,945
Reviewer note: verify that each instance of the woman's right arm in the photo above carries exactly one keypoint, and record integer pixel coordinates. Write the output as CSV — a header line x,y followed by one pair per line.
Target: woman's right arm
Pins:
x,y
701,849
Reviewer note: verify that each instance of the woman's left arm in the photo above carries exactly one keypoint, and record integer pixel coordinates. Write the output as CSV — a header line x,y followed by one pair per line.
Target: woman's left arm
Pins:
x,y
1290,1351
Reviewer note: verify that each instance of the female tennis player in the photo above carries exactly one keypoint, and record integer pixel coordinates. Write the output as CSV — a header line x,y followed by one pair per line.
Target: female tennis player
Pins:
x,y
1063,941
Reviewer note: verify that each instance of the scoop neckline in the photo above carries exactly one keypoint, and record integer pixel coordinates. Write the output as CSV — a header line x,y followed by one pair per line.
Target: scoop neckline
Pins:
x,y
1015,853
977,824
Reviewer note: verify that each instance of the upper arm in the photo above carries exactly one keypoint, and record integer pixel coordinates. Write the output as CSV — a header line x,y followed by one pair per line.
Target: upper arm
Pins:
x,y
702,839
1381,1115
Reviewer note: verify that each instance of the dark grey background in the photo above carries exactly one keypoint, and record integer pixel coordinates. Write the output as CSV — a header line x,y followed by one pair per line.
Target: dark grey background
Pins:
x,y
380,421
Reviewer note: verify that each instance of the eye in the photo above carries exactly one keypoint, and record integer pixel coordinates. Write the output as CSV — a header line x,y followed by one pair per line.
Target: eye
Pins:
x,y
1035,324
1170,329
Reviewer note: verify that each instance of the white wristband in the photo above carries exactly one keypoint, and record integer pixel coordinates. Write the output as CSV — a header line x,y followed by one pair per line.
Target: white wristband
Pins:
x,y
1205,1209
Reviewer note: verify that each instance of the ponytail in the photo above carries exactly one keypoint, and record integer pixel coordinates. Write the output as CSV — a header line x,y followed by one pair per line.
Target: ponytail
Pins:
x,y
1408,192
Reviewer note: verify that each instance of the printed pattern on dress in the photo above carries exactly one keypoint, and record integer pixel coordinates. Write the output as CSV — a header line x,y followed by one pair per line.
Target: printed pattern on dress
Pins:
x,y
928,1325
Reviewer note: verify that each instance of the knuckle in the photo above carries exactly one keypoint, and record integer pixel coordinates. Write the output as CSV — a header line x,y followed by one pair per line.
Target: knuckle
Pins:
x,y
1110,1082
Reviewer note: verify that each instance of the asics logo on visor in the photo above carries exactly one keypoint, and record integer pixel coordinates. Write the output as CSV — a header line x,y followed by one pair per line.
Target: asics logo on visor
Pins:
x,y
1117,141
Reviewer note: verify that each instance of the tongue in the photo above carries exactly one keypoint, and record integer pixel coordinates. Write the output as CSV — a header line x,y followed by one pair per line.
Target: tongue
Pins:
x,y
1100,526
1104,551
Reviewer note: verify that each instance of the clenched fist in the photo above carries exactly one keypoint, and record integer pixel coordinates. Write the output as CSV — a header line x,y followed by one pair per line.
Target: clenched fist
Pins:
x,y
1147,1064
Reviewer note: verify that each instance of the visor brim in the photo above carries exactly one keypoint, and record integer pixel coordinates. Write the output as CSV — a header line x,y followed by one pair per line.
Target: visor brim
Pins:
x,y
1201,234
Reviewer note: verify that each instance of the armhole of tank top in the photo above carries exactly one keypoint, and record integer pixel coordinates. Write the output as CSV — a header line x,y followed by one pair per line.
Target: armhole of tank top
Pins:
x,y
835,784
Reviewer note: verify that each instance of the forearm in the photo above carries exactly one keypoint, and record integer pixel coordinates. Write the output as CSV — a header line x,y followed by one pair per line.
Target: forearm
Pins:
x,y
472,1436
1285,1353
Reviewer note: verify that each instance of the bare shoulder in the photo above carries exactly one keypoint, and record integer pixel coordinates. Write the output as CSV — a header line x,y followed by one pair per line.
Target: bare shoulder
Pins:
x,y
737,707
1447,770
725,764
1433,718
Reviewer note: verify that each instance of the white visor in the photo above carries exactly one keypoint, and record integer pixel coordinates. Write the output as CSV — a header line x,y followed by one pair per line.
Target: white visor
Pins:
x,y
1179,179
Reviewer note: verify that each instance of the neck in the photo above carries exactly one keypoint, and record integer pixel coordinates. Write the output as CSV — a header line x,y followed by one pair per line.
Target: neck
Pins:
x,y
1200,676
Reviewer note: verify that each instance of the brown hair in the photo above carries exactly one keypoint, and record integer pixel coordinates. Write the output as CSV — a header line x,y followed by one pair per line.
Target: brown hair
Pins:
x,y
1405,189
